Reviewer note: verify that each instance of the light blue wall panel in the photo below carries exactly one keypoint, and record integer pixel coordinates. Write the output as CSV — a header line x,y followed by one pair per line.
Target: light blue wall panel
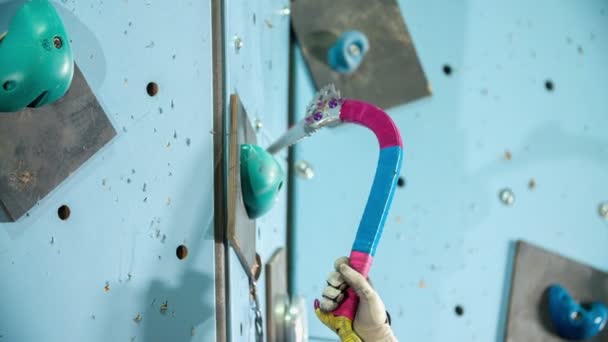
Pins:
x,y
258,72
449,240
143,195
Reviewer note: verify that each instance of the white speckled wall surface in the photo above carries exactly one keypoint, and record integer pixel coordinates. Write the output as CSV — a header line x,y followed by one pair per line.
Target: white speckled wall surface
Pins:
x,y
110,271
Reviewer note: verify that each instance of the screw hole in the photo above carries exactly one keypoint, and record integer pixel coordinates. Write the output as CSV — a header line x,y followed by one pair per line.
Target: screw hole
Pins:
x,y
64,212
241,329
355,49
152,89
57,42
280,186
577,315
181,252
549,85
9,85
401,182
459,310
447,69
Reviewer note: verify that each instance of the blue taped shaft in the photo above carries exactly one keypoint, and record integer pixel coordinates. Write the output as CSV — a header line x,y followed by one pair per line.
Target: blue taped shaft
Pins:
x,y
379,201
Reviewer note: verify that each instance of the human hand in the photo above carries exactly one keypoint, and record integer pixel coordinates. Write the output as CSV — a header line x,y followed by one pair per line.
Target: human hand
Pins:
x,y
371,322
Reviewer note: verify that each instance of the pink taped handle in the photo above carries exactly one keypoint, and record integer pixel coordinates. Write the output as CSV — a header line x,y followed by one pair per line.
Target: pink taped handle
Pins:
x,y
360,262
375,119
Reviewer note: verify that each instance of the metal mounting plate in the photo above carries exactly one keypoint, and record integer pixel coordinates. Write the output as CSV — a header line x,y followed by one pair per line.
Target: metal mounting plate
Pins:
x,y
534,270
241,229
40,148
391,73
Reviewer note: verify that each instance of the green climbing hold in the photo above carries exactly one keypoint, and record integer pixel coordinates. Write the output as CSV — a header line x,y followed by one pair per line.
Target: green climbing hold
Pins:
x,y
261,180
36,62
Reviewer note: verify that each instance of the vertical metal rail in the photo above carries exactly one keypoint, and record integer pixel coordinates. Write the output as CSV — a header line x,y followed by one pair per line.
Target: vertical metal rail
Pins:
x,y
220,181
291,156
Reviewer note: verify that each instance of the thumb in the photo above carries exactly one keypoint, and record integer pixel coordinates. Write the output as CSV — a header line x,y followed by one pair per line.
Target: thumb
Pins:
x,y
357,282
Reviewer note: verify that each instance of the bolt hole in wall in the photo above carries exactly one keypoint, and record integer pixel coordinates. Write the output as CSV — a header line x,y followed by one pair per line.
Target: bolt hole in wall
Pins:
x,y
152,89
64,212
401,182
459,310
549,85
182,252
447,69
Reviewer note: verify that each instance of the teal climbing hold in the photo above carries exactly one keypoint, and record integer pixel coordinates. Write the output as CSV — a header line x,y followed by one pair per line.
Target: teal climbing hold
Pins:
x,y
262,179
36,62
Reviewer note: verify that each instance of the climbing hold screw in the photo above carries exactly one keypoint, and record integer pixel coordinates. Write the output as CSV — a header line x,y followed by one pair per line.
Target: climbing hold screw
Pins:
x,y
238,43
507,196
57,42
258,124
603,210
304,170
286,11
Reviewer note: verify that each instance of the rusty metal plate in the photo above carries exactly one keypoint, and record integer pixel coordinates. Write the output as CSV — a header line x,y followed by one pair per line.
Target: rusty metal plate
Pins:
x,y
40,148
534,270
391,73
241,229
276,296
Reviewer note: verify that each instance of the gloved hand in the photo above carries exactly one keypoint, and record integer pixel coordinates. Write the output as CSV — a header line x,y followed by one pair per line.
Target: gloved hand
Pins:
x,y
371,321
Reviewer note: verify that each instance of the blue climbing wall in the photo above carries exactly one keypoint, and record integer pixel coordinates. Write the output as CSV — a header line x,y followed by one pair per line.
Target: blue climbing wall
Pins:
x,y
491,124
110,271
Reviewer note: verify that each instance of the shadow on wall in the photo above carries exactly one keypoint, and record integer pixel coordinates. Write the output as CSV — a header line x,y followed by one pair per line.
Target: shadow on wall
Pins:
x,y
185,312
181,313
173,314
7,11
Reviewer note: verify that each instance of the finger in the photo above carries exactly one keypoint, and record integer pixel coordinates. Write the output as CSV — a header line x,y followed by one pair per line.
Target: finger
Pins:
x,y
335,280
340,261
355,280
332,293
331,299
327,305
